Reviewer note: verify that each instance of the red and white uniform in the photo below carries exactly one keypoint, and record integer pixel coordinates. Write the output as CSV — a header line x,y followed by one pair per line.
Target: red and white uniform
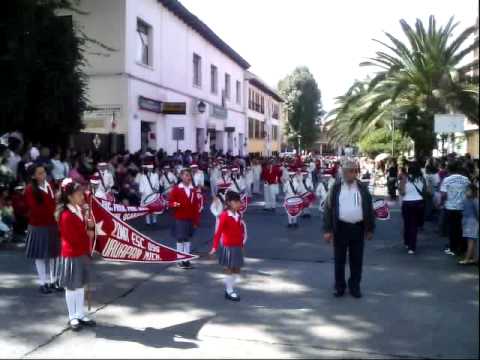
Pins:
x,y
185,203
73,234
41,214
271,176
231,229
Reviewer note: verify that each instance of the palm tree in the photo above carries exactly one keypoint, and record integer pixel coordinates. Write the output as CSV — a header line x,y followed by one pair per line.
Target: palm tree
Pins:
x,y
419,78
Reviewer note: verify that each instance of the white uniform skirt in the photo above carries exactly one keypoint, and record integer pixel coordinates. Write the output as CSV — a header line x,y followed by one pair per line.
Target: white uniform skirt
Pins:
x,y
42,242
231,257
75,272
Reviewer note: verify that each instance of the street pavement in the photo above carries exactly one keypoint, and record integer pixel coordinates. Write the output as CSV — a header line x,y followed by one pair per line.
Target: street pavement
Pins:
x,y
422,306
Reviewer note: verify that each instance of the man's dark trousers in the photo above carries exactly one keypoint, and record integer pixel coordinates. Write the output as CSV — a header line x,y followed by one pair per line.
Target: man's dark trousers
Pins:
x,y
348,237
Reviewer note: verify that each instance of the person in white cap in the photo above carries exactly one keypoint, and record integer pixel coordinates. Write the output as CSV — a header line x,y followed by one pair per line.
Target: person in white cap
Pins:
x,y
306,186
97,190
224,180
237,181
106,177
257,175
149,184
215,174
198,176
168,179
290,188
249,180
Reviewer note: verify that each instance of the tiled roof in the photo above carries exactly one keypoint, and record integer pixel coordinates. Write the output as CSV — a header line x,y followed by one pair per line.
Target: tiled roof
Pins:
x,y
198,25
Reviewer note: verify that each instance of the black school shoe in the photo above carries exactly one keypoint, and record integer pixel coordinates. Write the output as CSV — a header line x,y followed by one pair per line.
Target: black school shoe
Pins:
x,y
45,289
75,325
87,322
232,296
56,287
339,293
186,265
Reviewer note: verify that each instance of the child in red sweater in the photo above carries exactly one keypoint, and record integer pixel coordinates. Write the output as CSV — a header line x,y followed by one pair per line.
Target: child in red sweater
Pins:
x,y
76,236
233,234
185,200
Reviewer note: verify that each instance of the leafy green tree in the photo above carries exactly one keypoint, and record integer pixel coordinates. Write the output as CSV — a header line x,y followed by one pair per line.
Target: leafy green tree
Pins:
x,y
380,141
418,78
303,105
42,92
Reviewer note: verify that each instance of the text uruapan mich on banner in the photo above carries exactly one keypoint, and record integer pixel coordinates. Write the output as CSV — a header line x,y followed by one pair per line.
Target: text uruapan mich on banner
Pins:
x,y
115,240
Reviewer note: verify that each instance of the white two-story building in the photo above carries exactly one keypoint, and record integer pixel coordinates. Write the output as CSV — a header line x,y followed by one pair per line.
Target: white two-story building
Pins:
x,y
170,82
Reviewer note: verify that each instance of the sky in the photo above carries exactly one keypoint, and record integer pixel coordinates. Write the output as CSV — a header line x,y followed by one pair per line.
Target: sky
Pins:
x,y
331,37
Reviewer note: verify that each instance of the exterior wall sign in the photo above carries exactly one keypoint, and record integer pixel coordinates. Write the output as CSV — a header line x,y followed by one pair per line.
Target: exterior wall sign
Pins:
x,y
218,112
174,108
149,104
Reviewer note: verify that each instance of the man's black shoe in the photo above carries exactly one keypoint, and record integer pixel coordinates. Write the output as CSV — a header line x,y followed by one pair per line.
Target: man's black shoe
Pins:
x,y
338,293
356,294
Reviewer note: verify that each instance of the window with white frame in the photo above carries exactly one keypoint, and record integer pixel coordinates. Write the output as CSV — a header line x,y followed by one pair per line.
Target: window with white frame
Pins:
x,y
213,79
197,70
238,92
227,86
144,40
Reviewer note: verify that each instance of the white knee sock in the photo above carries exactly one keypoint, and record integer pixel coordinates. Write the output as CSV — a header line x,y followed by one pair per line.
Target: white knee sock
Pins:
x,y
236,278
147,219
41,266
229,283
70,299
186,247
154,219
52,264
79,303
180,246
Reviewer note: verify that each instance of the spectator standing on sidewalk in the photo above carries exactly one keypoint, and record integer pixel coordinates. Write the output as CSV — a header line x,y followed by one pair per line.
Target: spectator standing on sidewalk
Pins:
x,y
453,189
412,189
348,219
470,225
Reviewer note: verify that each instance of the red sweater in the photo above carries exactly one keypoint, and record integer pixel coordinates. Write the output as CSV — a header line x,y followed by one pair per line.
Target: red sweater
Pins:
x,y
230,230
73,235
40,214
184,207
271,176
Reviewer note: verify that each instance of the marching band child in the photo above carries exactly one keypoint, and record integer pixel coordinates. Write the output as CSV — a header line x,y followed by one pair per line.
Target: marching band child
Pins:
x,y
214,174
290,188
168,180
232,231
42,243
75,251
184,201
97,190
249,180
257,176
306,186
198,177
148,185
237,181
106,178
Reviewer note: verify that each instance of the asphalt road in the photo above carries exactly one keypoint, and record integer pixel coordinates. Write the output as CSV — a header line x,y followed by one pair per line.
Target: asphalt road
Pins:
x,y
422,306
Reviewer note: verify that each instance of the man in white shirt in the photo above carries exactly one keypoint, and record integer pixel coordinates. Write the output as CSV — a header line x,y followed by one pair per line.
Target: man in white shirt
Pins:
x,y
106,177
348,219
148,185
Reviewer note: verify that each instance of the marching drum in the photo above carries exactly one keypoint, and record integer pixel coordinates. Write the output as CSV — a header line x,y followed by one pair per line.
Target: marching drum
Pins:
x,y
155,202
294,205
382,211
308,198
244,199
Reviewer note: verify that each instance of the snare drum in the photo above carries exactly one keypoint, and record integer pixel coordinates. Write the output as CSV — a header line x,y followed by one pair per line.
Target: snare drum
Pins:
x,y
294,205
308,199
381,209
155,202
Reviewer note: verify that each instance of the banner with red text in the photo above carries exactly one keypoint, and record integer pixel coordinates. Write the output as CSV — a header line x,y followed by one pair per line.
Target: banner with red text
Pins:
x,y
115,240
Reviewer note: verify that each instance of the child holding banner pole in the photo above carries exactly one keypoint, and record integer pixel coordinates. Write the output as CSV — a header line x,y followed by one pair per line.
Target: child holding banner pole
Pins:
x,y
233,232
75,252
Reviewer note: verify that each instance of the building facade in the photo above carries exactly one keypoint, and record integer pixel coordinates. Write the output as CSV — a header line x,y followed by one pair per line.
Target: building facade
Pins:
x,y
264,117
170,81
